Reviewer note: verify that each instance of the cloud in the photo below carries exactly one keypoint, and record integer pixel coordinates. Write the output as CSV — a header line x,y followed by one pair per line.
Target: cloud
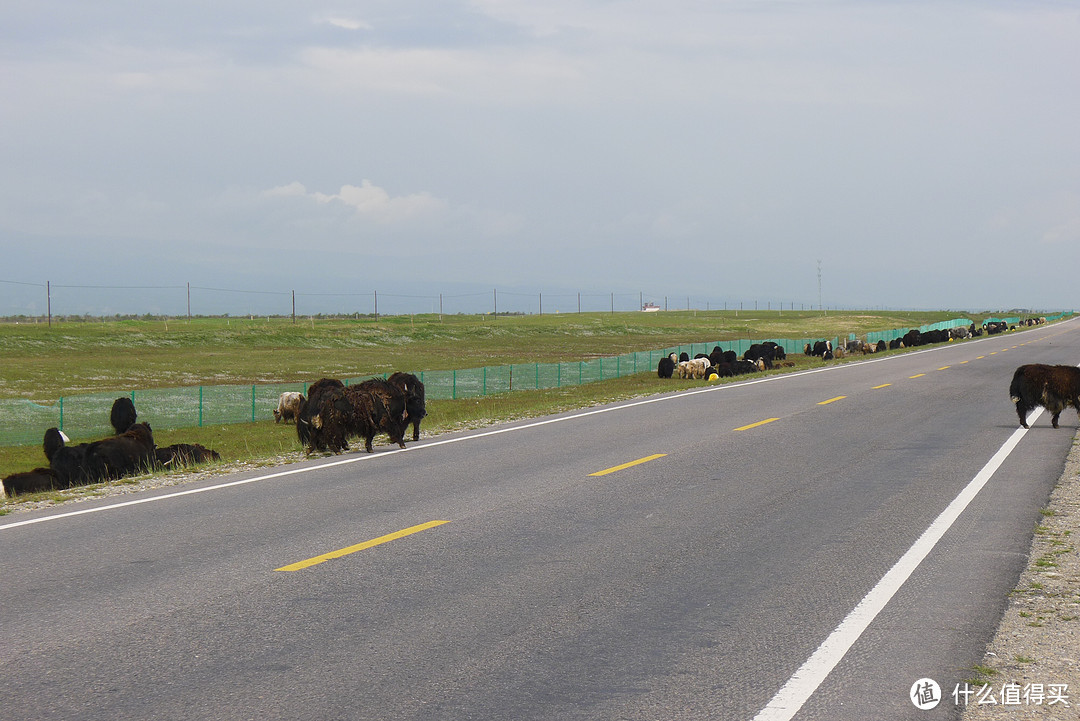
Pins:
x,y
348,23
370,201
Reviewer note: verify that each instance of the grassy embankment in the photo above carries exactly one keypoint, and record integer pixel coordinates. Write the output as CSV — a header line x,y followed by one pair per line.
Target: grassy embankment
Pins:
x,y
40,363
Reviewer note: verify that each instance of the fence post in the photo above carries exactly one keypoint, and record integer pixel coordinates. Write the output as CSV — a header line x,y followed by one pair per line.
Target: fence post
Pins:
x,y
483,384
537,376
453,388
200,405
61,413
252,404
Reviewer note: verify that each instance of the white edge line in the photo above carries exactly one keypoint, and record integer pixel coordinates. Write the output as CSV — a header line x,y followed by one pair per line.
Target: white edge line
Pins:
x,y
432,444
803,683
608,409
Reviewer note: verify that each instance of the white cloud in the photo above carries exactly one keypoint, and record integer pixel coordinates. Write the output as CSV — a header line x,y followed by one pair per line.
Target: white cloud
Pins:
x,y
370,202
348,23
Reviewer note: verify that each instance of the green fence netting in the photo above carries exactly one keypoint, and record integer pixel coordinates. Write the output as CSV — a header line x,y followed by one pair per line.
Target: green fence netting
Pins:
x,y
85,417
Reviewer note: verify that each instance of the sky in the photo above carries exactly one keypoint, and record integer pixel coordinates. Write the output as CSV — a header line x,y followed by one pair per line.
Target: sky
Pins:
x,y
410,156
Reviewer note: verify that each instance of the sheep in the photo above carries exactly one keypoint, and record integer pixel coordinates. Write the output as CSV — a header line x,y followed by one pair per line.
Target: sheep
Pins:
x,y
696,368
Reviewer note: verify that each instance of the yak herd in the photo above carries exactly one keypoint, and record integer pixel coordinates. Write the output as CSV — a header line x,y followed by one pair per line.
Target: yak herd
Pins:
x,y
129,452
325,420
332,412
768,355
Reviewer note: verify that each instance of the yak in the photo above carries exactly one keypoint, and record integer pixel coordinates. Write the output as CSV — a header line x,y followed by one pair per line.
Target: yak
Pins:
x,y
413,389
288,406
184,454
121,455
1052,387
308,421
123,414
363,410
666,367
68,462
35,481
380,406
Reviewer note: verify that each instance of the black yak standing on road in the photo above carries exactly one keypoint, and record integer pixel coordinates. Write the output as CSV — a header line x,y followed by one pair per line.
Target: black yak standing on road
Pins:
x,y
1053,387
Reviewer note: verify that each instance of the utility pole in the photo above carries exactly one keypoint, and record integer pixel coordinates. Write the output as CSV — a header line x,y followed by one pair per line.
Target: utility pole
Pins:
x,y
819,285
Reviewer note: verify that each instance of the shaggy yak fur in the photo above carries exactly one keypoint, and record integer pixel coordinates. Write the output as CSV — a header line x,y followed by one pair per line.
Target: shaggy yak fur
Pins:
x,y
124,454
121,455
1053,387
413,389
288,406
333,413
185,454
311,436
378,406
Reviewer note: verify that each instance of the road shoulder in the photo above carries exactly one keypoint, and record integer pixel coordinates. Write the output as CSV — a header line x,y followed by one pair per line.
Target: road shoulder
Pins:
x,y
1031,668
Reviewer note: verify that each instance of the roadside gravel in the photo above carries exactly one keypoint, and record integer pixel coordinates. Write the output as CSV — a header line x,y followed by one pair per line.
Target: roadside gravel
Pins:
x,y
1032,667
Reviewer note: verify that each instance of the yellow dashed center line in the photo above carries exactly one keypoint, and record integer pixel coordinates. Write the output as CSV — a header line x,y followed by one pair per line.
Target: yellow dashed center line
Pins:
x,y
638,462
831,400
917,375
755,425
944,368
883,385
299,565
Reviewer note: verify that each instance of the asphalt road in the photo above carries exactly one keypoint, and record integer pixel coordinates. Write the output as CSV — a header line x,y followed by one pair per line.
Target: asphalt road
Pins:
x,y
692,584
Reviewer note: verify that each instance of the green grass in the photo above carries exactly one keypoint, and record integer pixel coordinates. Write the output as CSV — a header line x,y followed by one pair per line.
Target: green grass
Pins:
x,y
42,363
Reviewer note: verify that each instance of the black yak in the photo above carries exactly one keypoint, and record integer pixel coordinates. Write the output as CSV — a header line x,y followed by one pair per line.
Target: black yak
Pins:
x,y
179,455
363,410
413,388
68,462
1053,387
35,481
123,414
121,455
761,351
379,406
666,367
308,428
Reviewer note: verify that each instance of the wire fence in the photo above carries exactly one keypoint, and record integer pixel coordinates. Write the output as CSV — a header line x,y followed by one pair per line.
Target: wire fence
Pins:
x,y
85,416
23,422
48,300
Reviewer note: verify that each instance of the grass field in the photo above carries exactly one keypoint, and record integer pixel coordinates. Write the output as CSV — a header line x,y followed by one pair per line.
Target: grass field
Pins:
x,y
40,363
